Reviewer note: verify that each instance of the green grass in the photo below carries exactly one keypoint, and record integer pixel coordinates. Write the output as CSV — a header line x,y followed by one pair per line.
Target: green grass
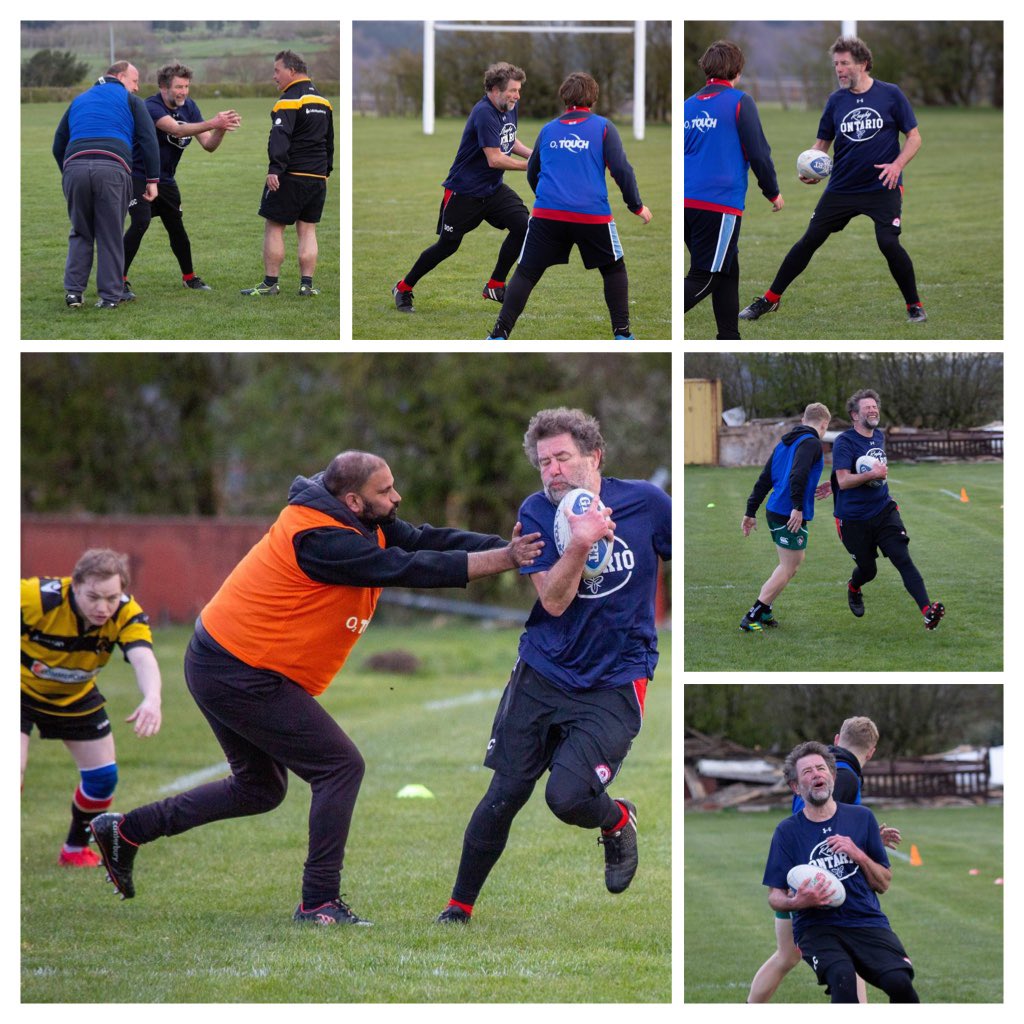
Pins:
x,y
950,922
220,195
957,547
952,226
211,919
395,195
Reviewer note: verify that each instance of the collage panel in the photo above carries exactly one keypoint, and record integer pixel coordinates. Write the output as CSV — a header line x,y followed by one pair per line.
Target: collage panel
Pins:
x,y
861,829
117,105
208,540
818,162
513,181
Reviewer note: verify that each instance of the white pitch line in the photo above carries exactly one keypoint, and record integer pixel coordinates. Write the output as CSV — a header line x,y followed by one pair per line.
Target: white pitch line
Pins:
x,y
194,778
942,490
900,854
476,697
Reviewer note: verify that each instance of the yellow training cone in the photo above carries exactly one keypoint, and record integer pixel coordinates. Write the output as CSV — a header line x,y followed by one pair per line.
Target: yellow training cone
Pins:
x,y
915,856
963,494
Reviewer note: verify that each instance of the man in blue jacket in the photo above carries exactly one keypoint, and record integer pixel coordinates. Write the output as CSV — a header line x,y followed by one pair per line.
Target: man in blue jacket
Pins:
x,y
724,140
567,174
791,473
93,148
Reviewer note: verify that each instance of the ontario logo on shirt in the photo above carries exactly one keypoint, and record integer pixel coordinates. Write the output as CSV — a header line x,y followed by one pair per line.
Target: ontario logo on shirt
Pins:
x,y
704,122
508,137
861,124
839,864
615,577
574,145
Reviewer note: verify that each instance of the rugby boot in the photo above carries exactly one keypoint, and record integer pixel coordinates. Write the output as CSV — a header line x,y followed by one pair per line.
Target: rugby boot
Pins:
x,y
307,290
750,625
497,292
403,300
758,308
127,295
768,620
856,599
107,304
262,289
331,912
117,852
620,851
624,337
79,859
916,314
453,914
933,614
197,284
73,300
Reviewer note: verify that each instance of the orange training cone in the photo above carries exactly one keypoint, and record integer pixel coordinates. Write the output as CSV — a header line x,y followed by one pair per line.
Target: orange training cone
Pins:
x,y
915,856
963,494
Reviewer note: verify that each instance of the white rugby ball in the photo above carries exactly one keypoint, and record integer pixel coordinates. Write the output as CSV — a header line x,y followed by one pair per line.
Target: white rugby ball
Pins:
x,y
799,873
577,502
866,463
814,164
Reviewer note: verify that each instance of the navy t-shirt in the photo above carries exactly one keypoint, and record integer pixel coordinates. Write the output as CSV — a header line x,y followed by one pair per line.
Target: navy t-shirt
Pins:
x,y
866,128
865,501
606,637
170,147
798,840
488,127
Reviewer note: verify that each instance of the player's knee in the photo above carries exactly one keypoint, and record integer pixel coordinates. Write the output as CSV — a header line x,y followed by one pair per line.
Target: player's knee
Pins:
x,y
867,572
888,242
841,979
571,800
899,987
98,784
611,269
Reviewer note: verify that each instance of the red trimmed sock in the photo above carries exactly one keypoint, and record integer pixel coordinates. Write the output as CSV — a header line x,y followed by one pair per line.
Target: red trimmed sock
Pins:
x,y
495,284
402,286
771,296
621,822
467,907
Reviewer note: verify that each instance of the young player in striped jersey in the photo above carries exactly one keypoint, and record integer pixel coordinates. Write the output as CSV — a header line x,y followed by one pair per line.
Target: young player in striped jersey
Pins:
x,y
69,628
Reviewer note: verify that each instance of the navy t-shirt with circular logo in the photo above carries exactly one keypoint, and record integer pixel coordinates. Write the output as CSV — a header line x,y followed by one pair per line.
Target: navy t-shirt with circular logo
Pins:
x,y
490,128
866,128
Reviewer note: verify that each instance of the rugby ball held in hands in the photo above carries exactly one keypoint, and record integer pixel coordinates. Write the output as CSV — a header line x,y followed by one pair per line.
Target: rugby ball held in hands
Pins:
x,y
814,164
865,464
577,502
799,873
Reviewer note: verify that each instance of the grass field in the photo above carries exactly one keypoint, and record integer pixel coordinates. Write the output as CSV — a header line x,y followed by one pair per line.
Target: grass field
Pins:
x,y
211,918
950,922
949,230
220,195
957,547
395,197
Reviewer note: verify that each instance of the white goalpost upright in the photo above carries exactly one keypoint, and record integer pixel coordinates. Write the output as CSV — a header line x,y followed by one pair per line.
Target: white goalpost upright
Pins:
x,y
638,30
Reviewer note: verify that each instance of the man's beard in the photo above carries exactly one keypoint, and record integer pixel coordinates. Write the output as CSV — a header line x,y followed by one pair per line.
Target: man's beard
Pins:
x,y
819,801
372,522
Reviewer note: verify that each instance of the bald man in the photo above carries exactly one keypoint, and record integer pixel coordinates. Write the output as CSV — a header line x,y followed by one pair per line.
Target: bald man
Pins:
x,y
274,637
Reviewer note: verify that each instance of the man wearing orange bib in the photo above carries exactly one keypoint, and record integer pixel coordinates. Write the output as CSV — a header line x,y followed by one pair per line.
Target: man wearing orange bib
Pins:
x,y
274,636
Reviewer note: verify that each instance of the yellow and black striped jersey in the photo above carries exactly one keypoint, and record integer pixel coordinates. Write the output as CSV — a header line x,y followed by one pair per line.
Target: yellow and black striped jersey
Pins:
x,y
61,652
301,132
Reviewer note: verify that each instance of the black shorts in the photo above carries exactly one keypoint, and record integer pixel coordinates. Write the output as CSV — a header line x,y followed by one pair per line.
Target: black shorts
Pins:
x,y
874,952
84,720
549,242
836,209
460,214
863,537
712,239
587,732
297,198
166,206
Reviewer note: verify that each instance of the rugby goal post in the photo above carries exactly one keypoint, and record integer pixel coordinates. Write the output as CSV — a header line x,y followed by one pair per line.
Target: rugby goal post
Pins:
x,y
638,30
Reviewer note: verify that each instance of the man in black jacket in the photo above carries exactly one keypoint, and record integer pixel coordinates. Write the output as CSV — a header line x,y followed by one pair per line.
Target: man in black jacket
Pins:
x,y
791,474
301,152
